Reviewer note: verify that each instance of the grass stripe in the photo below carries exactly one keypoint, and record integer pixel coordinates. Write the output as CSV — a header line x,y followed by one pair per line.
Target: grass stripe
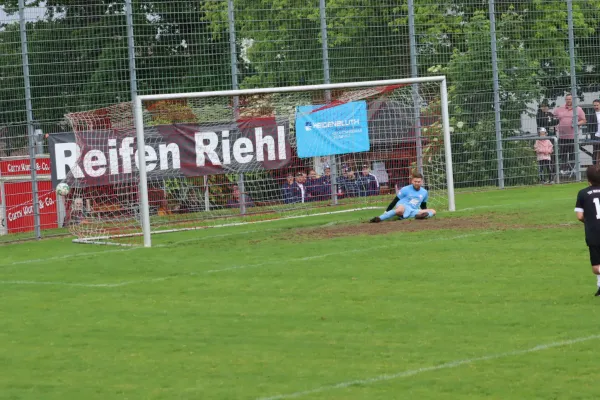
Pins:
x,y
239,267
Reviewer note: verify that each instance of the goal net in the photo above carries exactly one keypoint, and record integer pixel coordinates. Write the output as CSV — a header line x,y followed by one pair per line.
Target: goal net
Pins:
x,y
230,157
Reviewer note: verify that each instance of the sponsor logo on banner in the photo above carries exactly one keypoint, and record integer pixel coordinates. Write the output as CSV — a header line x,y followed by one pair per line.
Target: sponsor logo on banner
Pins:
x,y
22,167
337,129
106,157
19,206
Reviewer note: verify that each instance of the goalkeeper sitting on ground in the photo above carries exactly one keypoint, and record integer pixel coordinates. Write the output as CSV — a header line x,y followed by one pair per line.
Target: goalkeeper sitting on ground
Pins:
x,y
413,202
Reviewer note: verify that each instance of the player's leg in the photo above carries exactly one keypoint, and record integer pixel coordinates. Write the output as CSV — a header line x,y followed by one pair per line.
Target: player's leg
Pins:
x,y
595,260
424,214
389,214
596,271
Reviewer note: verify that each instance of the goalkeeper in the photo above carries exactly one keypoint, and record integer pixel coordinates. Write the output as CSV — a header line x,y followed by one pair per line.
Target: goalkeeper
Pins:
x,y
411,202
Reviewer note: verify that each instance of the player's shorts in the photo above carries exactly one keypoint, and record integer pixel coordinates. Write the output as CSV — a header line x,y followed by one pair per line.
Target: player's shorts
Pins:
x,y
410,211
594,255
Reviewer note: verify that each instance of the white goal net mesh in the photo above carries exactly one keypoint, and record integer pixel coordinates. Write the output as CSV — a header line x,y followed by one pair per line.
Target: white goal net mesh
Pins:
x,y
227,159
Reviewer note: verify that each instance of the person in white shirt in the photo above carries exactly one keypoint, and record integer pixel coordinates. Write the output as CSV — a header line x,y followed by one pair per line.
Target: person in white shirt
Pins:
x,y
594,130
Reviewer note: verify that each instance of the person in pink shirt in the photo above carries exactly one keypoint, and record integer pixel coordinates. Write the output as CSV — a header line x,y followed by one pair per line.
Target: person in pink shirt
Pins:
x,y
566,133
543,149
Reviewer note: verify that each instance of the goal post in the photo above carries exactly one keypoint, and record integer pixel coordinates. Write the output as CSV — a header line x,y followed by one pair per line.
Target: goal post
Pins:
x,y
238,156
141,145
447,144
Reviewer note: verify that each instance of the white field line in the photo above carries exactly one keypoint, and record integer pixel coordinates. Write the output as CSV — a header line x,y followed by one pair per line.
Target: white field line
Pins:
x,y
95,240
94,253
247,266
409,373
119,250
74,255
88,285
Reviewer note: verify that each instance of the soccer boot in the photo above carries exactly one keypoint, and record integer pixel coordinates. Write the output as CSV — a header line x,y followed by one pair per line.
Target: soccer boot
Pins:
x,y
422,216
375,219
598,292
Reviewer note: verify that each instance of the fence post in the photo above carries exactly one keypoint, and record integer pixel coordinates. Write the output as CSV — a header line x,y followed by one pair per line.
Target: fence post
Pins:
x,y
496,81
139,124
131,50
414,72
235,86
327,79
573,89
30,122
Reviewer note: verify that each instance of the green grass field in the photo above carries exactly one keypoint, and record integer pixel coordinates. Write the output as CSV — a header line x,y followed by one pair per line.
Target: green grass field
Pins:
x,y
494,301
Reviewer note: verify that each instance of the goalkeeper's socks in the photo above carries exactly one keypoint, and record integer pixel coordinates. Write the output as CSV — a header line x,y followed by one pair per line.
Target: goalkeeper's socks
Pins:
x,y
387,215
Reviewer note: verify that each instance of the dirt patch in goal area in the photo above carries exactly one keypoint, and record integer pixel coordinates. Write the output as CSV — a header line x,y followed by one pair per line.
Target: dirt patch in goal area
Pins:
x,y
470,223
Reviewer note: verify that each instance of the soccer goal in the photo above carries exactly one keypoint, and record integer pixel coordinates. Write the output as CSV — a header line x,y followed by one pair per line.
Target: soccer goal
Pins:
x,y
185,161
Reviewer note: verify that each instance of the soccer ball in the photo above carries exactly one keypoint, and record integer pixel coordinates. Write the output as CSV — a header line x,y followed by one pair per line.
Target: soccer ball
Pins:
x,y
62,189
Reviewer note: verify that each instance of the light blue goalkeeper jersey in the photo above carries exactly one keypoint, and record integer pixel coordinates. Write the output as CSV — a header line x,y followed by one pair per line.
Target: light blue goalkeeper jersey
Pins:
x,y
411,197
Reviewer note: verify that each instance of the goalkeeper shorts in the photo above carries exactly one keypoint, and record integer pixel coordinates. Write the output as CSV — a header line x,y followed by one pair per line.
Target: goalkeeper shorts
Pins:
x,y
410,211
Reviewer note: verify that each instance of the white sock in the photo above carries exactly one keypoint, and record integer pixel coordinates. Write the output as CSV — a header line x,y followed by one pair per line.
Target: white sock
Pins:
x,y
598,276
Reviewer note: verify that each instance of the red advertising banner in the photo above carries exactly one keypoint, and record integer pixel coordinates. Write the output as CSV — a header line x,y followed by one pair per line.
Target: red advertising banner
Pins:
x,y
19,206
22,167
98,158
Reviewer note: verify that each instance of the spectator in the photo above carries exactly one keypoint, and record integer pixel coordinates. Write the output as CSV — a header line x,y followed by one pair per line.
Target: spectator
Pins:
x,y
312,186
380,173
367,183
291,190
566,133
301,181
594,130
347,183
325,184
543,148
157,201
189,203
234,200
545,118
77,214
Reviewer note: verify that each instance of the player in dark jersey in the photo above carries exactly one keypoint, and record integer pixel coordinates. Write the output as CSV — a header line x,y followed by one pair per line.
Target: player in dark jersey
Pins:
x,y
588,212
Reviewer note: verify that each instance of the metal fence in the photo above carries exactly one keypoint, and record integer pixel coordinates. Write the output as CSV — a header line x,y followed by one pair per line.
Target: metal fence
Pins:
x,y
502,59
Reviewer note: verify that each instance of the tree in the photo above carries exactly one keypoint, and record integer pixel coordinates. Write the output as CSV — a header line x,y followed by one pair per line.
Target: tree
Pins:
x,y
474,144
282,45
79,57
12,94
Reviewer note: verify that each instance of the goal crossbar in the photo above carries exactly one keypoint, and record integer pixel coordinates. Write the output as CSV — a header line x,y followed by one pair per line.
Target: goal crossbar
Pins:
x,y
288,89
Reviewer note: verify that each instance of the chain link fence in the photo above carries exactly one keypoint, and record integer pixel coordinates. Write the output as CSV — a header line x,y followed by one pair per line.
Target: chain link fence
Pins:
x,y
503,60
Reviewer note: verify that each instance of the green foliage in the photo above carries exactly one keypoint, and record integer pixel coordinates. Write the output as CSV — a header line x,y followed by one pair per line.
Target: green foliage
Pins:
x,y
79,60
474,156
12,95
474,144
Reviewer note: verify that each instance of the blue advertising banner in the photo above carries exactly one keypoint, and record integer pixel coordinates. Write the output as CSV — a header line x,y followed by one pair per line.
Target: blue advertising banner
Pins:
x,y
336,129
